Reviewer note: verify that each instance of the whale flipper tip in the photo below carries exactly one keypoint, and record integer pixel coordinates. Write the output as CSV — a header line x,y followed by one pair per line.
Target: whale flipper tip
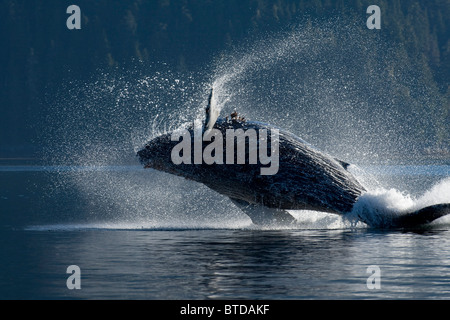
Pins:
x,y
261,215
212,112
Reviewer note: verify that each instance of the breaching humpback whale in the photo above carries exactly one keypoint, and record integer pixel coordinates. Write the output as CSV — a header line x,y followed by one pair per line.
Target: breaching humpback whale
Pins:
x,y
307,179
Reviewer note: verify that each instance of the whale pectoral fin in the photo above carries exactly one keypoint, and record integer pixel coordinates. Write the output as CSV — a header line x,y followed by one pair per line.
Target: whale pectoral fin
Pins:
x,y
212,112
262,215
422,216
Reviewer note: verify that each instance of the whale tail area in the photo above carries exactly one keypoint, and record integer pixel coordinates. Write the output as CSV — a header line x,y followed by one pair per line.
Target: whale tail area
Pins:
x,y
422,216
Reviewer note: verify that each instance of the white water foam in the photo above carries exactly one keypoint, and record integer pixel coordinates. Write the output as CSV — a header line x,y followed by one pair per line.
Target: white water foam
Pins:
x,y
379,206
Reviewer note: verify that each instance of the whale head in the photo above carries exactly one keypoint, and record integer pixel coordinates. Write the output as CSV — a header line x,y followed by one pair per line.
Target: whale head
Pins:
x,y
158,154
155,153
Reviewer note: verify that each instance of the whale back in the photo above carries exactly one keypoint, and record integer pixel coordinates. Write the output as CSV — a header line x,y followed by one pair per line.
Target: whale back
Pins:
x,y
306,178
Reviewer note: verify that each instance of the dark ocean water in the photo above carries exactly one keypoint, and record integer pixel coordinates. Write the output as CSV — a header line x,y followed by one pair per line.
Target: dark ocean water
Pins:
x,y
138,234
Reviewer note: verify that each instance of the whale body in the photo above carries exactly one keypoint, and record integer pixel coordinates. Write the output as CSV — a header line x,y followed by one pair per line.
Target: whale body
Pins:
x,y
307,179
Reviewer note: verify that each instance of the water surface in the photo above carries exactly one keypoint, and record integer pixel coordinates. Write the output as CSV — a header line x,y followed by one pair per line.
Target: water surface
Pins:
x,y
55,217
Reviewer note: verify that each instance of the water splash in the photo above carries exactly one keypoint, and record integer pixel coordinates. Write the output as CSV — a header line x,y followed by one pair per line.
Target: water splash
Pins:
x,y
380,206
105,120
330,83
